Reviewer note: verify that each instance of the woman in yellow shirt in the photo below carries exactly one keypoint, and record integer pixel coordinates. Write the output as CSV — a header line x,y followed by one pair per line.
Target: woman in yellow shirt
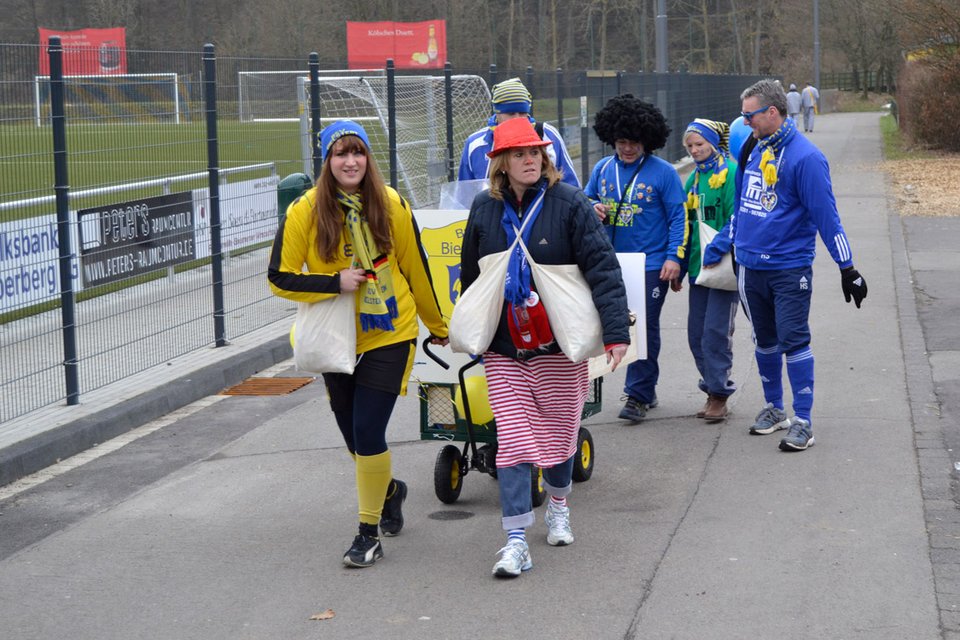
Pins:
x,y
353,235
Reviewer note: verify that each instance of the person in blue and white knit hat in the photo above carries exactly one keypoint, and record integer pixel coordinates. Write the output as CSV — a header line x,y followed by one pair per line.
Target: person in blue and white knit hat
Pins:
x,y
711,312
783,199
511,99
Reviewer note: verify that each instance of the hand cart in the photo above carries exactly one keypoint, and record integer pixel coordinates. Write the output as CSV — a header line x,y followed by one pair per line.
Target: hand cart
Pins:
x,y
445,414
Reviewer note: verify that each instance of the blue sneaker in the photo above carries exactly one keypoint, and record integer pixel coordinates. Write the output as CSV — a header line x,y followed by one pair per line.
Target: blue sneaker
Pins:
x,y
769,419
799,435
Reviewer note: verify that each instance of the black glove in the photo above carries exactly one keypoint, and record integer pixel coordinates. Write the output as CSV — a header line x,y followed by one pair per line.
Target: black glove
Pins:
x,y
853,284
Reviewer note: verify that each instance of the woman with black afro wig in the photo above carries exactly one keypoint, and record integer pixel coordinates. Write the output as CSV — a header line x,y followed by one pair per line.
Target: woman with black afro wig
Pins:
x,y
640,200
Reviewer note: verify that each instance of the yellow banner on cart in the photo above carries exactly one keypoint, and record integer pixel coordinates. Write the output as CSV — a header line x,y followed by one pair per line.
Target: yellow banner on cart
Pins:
x,y
441,234
442,246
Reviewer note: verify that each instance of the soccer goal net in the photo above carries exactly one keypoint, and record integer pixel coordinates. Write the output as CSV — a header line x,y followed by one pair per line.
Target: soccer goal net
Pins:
x,y
128,97
274,96
420,108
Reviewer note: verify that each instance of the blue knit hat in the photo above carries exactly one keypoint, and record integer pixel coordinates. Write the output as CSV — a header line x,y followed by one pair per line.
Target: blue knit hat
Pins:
x,y
510,96
333,132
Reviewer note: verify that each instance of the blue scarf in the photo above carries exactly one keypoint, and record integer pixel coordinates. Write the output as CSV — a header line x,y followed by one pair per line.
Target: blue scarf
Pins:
x,y
709,165
517,287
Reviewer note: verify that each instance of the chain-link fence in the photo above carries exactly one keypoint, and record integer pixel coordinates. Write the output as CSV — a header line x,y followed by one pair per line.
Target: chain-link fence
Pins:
x,y
138,209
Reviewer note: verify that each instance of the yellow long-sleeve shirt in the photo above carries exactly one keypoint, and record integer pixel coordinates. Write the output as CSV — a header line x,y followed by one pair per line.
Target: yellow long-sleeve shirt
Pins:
x,y
298,272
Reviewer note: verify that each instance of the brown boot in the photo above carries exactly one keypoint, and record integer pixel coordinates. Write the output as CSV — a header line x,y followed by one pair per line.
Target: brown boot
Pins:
x,y
716,409
703,412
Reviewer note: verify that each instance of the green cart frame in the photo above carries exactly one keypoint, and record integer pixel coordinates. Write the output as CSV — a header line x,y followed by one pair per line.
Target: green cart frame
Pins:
x,y
440,420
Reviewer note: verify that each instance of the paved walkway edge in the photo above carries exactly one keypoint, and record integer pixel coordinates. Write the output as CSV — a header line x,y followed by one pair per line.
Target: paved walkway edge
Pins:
x,y
935,460
60,442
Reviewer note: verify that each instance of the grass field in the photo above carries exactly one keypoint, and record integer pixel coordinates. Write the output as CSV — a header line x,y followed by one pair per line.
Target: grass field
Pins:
x,y
108,154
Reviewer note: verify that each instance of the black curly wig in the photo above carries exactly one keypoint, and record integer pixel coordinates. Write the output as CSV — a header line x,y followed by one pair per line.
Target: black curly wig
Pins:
x,y
626,117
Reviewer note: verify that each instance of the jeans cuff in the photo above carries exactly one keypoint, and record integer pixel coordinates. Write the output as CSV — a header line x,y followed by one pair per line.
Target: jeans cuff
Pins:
x,y
521,521
557,492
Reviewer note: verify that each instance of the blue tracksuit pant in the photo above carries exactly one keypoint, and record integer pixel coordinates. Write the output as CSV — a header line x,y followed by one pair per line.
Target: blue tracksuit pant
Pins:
x,y
642,375
778,306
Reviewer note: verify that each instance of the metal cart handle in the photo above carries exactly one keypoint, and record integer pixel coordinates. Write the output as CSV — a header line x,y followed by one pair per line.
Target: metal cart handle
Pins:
x,y
440,361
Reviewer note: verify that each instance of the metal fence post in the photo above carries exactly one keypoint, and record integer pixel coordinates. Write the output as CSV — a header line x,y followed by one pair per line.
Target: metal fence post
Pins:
x,y
530,84
392,120
493,75
315,124
448,98
560,99
62,191
213,178
584,136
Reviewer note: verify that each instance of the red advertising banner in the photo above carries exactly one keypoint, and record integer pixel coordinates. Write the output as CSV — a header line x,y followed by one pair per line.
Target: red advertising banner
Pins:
x,y
412,45
87,52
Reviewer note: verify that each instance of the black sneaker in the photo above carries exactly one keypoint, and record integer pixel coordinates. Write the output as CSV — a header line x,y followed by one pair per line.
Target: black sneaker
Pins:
x,y
391,519
634,411
364,551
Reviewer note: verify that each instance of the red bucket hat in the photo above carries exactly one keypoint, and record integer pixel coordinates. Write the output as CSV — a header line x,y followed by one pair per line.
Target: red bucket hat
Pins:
x,y
516,132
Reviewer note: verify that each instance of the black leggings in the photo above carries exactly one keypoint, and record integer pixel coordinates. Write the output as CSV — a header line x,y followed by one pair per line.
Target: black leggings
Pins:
x,y
362,414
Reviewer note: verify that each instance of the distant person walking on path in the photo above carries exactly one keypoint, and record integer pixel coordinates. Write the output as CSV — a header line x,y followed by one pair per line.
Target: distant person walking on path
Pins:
x,y
536,392
810,99
784,198
794,102
352,235
512,100
710,318
640,200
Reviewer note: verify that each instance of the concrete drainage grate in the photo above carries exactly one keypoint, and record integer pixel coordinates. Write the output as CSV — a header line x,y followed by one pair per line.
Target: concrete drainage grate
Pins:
x,y
266,386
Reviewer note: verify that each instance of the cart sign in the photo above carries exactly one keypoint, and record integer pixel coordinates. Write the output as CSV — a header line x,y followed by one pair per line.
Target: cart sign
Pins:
x,y
87,51
411,45
131,238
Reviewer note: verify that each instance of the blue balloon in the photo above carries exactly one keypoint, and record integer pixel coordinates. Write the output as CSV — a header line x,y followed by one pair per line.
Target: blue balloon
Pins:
x,y
739,132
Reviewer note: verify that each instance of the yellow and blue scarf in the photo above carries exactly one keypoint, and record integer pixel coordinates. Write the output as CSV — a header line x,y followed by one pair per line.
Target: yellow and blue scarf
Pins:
x,y
377,303
771,147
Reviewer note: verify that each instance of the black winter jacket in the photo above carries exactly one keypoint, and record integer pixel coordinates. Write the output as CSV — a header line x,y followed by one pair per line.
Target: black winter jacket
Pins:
x,y
567,231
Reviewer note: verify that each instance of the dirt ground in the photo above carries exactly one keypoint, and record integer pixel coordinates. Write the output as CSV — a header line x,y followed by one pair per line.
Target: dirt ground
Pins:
x,y
927,187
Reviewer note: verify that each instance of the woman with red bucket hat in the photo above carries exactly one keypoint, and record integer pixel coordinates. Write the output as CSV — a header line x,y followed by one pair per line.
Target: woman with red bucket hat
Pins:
x,y
536,392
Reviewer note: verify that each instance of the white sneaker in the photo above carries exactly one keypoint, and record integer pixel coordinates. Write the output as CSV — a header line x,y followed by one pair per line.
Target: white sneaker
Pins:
x,y
558,522
514,558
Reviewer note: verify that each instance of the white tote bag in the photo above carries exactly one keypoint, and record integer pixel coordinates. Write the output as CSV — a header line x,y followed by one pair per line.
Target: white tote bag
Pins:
x,y
568,301
325,335
720,276
477,312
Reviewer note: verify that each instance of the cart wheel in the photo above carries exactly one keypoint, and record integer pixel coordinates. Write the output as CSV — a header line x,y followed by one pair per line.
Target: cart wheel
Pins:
x,y
583,459
447,478
537,492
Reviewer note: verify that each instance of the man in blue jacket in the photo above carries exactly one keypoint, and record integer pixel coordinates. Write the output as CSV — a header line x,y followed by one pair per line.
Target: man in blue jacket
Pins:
x,y
512,100
784,198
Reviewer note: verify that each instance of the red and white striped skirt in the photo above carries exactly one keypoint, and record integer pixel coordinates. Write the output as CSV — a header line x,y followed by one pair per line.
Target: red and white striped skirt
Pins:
x,y
537,405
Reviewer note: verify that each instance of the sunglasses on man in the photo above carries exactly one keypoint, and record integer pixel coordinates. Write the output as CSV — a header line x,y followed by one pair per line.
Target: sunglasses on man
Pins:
x,y
748,115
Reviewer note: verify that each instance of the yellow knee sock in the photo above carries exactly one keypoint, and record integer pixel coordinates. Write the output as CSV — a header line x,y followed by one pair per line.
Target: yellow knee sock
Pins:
x,y
373,479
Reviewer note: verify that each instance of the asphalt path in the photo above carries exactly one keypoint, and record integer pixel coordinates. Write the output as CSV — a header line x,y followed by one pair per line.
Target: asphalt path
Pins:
x,y
228,519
